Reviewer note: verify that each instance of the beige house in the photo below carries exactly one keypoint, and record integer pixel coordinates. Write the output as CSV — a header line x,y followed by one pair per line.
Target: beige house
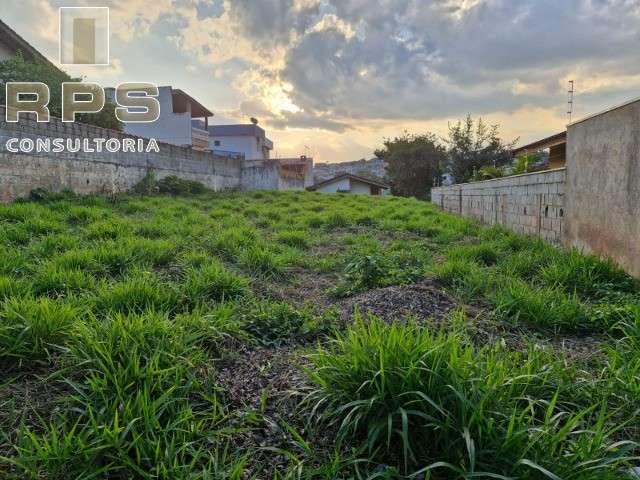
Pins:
x,y
348,183
556,145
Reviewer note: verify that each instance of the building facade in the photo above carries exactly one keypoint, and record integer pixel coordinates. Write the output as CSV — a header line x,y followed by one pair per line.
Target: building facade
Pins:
x,y
249,140
175,125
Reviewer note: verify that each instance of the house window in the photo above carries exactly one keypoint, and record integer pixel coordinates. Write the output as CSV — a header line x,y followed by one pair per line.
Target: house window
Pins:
x,y
216,143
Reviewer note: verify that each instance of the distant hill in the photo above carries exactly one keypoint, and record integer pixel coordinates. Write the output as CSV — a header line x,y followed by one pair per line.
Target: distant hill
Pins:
x,y
373,169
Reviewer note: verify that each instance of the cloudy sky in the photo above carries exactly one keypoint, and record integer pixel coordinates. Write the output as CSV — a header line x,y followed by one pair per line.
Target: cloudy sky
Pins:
x,y
335,77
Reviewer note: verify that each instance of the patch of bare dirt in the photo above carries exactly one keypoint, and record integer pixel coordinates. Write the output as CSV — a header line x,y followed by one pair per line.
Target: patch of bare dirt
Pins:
x,y
254,370
421,301
263,387
25,397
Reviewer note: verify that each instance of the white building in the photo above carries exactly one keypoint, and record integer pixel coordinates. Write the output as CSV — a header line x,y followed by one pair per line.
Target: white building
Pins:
x,y
249,140
348,183
177,111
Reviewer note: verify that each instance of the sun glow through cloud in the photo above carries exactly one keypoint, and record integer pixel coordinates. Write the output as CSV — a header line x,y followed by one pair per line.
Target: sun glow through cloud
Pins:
x,y
342,75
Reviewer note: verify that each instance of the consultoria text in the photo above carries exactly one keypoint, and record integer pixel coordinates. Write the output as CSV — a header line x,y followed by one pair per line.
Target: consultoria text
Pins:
x,y
82,145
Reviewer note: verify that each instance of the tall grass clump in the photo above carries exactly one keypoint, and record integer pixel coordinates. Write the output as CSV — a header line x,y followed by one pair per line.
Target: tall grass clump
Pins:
x,y
293,238
138,410
431,404
139,293
543,308
212,282
262,262
587,276
32,329
276,323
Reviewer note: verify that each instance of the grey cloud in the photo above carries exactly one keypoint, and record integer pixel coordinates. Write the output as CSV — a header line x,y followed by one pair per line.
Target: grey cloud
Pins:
x,y
256,108
425,62
418,59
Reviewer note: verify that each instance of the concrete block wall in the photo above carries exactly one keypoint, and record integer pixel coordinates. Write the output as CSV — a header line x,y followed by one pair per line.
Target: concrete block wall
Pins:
x,y
603,185
103,172
269,175
531,204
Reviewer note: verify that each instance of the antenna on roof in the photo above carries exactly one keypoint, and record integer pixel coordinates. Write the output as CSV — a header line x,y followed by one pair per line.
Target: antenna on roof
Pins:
x,y
570,101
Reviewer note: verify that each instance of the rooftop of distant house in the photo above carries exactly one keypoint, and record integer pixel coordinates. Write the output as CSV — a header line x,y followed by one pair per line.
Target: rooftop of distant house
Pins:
x,y
181,100
240,130
350,176
547,142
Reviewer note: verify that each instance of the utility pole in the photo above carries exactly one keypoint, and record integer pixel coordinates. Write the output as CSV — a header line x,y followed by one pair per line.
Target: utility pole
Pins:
x,y
570,101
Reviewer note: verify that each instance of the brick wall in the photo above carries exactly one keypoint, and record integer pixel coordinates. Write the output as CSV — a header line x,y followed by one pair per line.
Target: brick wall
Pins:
x,y
99,172
531,204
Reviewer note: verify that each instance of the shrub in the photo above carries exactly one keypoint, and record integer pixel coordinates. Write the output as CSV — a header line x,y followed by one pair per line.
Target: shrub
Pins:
x,y
147,185
178,186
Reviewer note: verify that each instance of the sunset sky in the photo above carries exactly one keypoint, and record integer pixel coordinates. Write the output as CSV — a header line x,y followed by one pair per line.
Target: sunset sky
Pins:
x,y
338,76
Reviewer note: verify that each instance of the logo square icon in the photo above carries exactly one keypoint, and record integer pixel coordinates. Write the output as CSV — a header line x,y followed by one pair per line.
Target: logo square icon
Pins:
x,y
84,35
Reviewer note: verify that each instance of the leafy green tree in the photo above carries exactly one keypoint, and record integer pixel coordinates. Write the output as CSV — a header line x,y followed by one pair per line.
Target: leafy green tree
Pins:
x,y
489,172
523,164
473,145
17,69
413,161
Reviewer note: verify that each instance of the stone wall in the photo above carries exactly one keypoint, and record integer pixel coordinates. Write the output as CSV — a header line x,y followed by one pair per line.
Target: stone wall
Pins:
x,y
532,204
99,172
603,185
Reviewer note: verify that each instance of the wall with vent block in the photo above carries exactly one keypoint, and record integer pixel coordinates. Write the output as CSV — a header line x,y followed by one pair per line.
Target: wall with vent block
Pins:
x,y
531,204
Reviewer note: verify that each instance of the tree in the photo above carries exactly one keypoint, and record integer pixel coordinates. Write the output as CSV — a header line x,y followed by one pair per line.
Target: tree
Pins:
x,y
17,69
472,146
413,161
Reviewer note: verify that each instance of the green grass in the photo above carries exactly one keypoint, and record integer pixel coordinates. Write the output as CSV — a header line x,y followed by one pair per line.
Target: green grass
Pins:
x,y
123,320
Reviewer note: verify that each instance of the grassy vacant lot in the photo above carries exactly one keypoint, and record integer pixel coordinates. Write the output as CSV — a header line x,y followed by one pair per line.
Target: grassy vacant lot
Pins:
x,y
300,335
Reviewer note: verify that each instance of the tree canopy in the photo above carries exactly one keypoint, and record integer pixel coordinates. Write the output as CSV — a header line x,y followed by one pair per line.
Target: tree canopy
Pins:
x,y
473,145
413,161
17,69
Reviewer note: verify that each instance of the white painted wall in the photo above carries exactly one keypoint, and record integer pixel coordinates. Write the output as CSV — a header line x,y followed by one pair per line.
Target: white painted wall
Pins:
x,y
173,128
249,145
333,187
240,144
360,187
